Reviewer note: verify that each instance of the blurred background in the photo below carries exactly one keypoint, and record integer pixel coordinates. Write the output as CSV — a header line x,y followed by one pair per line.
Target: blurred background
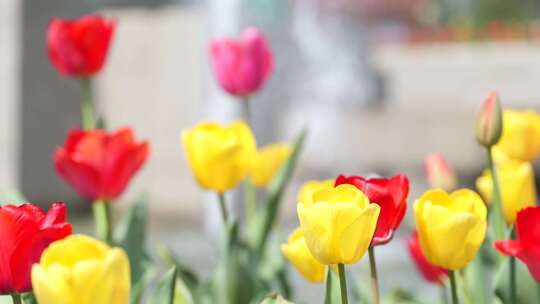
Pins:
x,y
379,83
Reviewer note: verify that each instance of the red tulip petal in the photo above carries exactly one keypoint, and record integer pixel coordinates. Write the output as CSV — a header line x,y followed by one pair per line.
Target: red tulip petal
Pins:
x,y
29,252
82,177
508,247
55,215
72,140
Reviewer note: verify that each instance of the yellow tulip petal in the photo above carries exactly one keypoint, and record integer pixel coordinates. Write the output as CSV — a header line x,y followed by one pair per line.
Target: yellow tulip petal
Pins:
x,y
267,163
316,222
116,277
305,195
87,278
80,247
356,230
298,254
52,286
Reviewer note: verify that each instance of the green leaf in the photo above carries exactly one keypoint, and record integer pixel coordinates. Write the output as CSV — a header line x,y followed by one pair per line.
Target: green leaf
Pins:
x,y
165,291
527,288
130,234
275,299
234,281
333,291
137,291
265,221
188,277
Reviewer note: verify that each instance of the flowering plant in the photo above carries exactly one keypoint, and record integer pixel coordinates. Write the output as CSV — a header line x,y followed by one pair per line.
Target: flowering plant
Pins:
x,y
460,238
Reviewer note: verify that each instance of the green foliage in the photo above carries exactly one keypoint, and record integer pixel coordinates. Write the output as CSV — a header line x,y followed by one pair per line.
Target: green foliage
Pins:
x,y
165,291
275,299
527,289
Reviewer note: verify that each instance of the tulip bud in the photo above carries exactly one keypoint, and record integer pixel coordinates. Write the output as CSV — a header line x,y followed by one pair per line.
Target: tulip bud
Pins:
x,y
489,121
298,254
439,173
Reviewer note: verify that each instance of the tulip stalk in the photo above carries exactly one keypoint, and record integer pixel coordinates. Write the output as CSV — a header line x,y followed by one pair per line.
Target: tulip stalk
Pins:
x,y
453,286
513,283
16,298
374,279
102,219
496,212
223,206
343,284
87,106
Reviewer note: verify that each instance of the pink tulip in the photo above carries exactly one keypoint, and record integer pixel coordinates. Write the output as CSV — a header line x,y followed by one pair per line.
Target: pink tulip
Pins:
x,y
242,66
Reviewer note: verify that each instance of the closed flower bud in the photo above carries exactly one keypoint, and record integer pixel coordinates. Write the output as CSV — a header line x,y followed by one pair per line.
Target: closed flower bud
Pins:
x,y
451,227
80,269
99,165
298,254
267,163
440,173
521,135
220,157
242,66
489,123
338,224
517,187
78,48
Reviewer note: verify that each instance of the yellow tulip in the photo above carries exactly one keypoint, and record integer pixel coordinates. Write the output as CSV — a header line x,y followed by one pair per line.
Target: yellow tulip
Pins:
x,y
305,194
268,161
517,187
338,224
451,227
521,135
219,156
298,254
81,270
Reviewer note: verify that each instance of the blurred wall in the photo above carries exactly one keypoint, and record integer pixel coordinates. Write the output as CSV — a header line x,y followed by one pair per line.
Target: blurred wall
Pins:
x,y
9,94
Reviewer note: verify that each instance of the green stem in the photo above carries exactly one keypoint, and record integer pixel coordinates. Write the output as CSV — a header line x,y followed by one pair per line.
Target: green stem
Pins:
x,y
102,220
454,287
374,280
343,284
223,206
16,298
246,110
87,106
513,282
250,200
497,213
329,283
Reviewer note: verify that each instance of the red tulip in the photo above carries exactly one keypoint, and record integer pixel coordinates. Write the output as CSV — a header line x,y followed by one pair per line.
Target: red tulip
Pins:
x,y
78,48
390,194
25,231
431,273
99,165
527,246
242,66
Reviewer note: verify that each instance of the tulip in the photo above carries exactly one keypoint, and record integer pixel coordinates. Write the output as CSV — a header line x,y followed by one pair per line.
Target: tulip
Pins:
x,y
242,66
298,254
338,224
451,227
431,273
267,163
78,48
521,135
439,172
220,156
305,195
81,270
99,165
25,231
518,189
390,194
489,121
527,246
